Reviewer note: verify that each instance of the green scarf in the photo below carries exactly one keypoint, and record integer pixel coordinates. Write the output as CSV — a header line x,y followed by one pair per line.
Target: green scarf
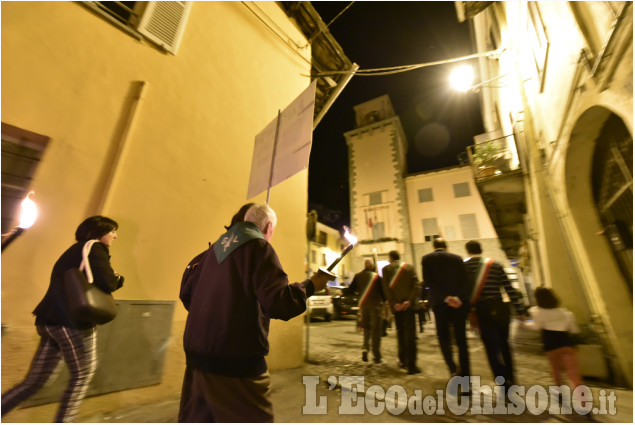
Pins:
x,y
235,236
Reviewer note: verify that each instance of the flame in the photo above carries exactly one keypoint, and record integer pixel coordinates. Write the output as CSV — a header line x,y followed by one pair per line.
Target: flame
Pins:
x,y
28,214
349,236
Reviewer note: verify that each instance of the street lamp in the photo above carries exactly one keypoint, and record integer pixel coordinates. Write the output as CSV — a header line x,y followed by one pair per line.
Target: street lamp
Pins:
x,y
28,215
461,79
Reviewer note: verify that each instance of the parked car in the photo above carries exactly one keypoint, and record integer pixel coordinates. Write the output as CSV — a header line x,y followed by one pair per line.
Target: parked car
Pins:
x,y
344,301
320,304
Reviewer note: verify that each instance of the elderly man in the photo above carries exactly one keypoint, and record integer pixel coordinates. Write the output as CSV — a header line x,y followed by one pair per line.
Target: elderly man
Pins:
x,y
241,285
367,284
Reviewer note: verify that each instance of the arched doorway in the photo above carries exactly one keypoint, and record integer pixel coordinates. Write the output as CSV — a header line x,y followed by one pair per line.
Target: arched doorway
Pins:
x,y
598,187
612,180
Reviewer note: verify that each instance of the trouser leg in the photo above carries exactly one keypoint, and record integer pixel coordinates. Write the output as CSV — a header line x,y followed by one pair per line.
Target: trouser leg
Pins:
x,y
506,354
459,318
410,342
443,334
491,342
227,399
376,332
79,349
401,336
46,359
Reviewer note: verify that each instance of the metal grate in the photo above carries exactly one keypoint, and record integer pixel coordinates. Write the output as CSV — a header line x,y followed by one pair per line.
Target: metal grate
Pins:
x,y
613,190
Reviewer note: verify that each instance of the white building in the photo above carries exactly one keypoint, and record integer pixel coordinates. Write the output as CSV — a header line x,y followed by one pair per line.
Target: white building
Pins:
x,y
560,100
391,210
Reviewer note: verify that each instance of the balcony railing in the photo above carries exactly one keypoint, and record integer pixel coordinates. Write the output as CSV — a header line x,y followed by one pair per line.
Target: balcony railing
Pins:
x,y
493,157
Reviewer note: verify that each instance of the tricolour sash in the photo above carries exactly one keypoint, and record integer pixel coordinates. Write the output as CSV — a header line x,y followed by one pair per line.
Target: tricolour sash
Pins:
x,y
484,266
369,287
395,278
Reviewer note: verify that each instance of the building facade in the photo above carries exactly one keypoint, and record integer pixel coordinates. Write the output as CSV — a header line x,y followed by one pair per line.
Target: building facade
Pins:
x,y
557,91
391,210
118,112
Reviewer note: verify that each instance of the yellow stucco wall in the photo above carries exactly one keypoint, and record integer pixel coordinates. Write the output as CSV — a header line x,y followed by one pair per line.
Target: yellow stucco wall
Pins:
x,y
68,74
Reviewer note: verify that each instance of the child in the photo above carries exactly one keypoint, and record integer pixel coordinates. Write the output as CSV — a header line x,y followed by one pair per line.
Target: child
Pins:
x,y
556,324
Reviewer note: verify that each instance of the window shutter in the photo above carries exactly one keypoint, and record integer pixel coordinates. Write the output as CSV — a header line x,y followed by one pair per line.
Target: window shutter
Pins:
x,y
163,23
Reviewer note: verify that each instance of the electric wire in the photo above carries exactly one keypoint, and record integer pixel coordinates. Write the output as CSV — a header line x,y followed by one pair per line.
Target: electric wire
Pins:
x,y
404,68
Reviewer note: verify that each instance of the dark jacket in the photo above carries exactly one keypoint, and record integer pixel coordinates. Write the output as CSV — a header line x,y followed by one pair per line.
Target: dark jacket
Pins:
x,y
230,305
405,286
53,309
496,279
375,296
445,275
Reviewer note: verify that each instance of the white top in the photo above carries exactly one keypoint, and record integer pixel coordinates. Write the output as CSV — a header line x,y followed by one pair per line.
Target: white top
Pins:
x,y
553,319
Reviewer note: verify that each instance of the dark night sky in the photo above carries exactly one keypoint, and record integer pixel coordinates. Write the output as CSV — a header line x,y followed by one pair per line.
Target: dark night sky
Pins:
x,y
438,122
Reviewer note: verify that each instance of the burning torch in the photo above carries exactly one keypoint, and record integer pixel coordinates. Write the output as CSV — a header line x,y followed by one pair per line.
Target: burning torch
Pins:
x,y
27,218
352,240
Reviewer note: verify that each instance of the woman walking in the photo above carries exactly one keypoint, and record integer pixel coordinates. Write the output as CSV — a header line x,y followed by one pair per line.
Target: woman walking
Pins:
x,y
61,336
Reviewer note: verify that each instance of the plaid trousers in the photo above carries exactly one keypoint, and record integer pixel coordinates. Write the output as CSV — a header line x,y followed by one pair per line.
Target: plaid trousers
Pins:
x,y
79,350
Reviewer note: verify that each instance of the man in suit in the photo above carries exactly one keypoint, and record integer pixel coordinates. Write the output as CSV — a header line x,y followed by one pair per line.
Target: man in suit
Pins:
x,y
401,288
367,284
445,275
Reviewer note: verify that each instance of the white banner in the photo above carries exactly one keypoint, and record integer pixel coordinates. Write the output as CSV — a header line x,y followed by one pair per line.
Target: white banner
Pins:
x,y
293,147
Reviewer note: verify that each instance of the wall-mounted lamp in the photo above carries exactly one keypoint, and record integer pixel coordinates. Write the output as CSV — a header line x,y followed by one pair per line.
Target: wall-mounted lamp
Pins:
x,y
28,215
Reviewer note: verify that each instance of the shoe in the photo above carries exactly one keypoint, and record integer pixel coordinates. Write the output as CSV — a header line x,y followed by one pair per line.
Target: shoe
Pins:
x,y
365,356
377,361
414,371
420,329
401,365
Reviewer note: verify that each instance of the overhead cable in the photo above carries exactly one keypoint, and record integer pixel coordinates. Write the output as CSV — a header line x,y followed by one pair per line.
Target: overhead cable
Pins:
x,y
404,68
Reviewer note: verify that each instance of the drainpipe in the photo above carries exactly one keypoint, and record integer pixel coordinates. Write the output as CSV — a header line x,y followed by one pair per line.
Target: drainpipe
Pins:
x,y
114,167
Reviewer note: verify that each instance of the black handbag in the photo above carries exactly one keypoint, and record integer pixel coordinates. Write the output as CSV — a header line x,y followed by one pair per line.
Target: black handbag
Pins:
x,y
86,301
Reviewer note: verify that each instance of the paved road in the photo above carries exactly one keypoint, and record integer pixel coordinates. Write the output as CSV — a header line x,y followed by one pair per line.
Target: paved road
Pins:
x,y
321,391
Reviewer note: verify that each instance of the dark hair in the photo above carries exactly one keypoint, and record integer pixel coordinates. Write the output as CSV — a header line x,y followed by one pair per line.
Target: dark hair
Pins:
x,y
94,228
394,255
439,243
473,247
240,215
545,298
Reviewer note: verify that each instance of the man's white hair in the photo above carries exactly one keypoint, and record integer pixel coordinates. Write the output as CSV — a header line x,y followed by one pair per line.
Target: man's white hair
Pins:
x,y
261,215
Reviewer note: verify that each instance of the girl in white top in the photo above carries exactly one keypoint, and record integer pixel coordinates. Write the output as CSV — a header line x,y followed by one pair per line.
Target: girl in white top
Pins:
x,y
557,325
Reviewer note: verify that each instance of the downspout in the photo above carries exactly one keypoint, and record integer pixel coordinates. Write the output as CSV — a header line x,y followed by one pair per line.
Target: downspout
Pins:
x,y
114,167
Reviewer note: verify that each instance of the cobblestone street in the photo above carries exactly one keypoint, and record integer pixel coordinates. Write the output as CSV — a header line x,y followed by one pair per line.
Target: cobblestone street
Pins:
x,y
335,350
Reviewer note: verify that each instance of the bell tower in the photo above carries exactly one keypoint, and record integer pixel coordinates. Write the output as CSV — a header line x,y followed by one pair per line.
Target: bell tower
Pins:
x,y
377,166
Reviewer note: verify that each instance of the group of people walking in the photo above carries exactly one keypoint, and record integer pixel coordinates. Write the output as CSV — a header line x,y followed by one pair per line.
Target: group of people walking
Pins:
x,y
233,289
460,291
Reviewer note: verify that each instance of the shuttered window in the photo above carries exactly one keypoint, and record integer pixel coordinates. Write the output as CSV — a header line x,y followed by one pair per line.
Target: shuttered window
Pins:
x,y
161,22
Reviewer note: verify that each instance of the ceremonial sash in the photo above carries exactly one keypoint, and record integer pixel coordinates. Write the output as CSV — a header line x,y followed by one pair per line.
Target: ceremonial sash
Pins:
x,y
371,283
485,265
395,278
237,235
